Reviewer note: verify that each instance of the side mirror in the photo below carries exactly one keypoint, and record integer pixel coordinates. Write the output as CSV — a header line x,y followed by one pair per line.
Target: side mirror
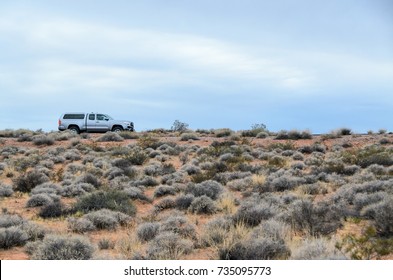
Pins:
x,y
106,119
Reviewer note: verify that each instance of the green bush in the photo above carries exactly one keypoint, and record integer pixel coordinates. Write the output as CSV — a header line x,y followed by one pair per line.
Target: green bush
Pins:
x,y
255,130
293,135
369,155
203,205
26,182
367,246
136,156
182,202
52,210
223,132
112,200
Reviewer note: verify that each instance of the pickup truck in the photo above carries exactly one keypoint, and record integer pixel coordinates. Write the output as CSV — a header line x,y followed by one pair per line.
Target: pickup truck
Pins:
x,y
92,122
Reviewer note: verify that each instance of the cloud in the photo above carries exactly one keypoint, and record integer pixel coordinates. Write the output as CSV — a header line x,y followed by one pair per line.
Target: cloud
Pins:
x,y
63,55
51,59
83,53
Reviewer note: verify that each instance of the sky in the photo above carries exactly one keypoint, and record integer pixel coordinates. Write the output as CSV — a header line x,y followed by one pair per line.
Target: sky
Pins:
x,y
289,64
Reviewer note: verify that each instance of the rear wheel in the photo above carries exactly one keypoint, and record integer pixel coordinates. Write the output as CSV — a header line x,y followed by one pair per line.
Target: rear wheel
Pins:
x,y
117,129
74,129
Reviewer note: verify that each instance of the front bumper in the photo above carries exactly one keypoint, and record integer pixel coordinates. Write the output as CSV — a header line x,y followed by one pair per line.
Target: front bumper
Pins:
x,y
130,127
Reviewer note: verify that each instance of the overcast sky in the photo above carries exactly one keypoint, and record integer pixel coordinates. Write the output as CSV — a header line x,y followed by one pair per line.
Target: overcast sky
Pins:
x,y
290,64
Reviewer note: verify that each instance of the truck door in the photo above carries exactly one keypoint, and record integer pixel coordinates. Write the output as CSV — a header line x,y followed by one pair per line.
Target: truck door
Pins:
x,y
102,122
91,122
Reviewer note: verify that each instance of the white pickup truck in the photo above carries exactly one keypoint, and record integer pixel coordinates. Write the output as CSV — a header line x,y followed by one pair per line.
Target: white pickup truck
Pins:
x,y
92,122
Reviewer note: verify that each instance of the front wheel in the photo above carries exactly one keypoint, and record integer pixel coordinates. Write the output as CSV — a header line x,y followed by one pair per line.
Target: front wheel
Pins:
x,y
117,129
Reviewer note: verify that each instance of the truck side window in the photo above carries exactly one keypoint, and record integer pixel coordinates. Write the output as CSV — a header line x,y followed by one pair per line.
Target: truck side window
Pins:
x,y
92,117
100,117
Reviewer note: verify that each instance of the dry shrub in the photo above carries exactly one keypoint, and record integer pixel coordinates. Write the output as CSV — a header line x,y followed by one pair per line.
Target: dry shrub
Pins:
x,y
59,247
130,246
147,231
169,246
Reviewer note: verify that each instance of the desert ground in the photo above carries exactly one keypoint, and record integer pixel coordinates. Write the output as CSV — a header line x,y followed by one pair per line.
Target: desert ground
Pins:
x,y
204,194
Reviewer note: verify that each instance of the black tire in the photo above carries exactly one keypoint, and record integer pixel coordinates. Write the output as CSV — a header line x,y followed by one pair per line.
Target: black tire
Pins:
x,y
117,129
74,129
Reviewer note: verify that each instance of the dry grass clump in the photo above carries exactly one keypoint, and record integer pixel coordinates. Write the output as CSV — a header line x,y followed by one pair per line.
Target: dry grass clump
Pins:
x,y
130,247
41,199
164,204
223,132
169,246
107,219
210,188
320,219
179,224
6,190
256,249
227,204
54,209
136,156
110,137
17,231
183,202
43,140
80,225
188,137
59,247
293,135
147,231
164,190
317,249
203,205
12,133
77,189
